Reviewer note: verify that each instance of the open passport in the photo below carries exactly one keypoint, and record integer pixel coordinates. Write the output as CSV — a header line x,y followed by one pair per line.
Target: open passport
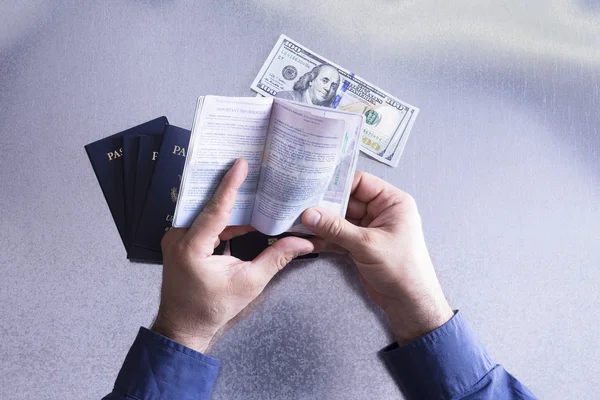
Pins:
x,y
299,156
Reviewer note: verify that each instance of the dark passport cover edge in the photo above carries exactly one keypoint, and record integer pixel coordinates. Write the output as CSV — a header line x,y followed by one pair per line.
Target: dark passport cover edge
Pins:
x,y
103,188
247,247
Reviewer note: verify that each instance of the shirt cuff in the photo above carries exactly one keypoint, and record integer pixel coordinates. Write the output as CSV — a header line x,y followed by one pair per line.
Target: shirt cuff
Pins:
x,y
156,367
440,365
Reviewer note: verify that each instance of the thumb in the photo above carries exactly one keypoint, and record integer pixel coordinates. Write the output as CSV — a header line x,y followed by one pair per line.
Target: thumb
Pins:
x,y
275,257
333,228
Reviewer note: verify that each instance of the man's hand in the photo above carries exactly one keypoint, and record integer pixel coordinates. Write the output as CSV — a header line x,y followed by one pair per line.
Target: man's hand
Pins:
x,y
201,292
384,237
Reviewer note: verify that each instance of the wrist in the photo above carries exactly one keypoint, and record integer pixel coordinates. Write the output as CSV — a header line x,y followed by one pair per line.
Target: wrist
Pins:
x,y
195,338
411,321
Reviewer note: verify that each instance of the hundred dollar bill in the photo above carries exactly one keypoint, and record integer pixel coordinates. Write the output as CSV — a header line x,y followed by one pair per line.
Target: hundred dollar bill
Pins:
x,y
294,72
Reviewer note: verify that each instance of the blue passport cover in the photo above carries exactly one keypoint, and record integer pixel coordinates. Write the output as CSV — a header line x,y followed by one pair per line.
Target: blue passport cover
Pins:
x,y
138,167
149,146
159,207
157,216
130,159
106,157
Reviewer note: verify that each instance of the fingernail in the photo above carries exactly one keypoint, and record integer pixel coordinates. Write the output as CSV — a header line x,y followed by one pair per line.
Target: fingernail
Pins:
x,y
312,217
237,160
304,252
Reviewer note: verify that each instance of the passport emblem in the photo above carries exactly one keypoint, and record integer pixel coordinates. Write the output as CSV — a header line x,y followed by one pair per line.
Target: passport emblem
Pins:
x,y
175,192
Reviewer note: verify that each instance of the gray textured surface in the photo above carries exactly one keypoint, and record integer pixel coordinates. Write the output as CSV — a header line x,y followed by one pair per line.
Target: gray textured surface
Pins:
x,y
503,162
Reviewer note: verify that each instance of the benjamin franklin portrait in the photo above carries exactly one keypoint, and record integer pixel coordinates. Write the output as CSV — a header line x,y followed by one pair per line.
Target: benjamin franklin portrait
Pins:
x,y
318,87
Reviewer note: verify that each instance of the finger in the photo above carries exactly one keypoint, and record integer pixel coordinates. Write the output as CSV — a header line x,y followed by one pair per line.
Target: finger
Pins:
x,y
333,228
172,236
214,216
233,231
367,187
217,242
323,246
366,220
275,257
377,193
355,221
356,209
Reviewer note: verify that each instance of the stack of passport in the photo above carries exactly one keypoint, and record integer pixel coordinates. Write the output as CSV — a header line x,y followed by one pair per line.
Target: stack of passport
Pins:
x,y
139,171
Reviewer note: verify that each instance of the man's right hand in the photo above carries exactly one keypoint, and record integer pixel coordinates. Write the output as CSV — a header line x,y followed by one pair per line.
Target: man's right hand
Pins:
x,y
384,237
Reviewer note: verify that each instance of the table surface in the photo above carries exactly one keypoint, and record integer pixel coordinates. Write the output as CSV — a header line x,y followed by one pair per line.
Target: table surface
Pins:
x,y
503,162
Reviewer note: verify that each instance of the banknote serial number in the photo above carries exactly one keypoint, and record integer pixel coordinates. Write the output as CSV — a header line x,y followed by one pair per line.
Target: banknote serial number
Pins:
x,y
373,136
296,58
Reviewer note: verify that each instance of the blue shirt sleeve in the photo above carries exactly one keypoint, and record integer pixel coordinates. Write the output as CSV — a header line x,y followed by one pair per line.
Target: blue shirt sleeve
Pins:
x,y
450,363
158,368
